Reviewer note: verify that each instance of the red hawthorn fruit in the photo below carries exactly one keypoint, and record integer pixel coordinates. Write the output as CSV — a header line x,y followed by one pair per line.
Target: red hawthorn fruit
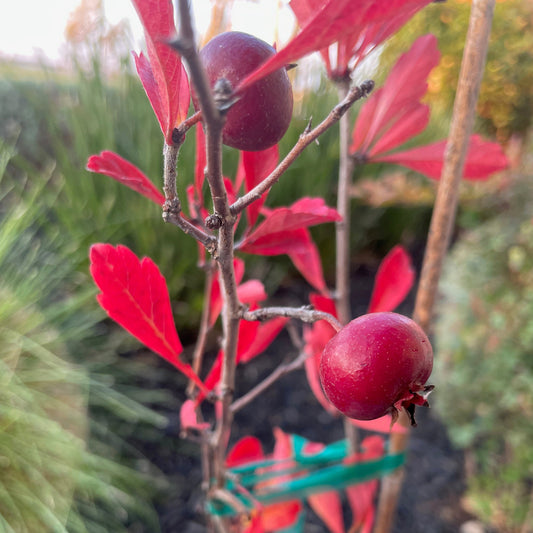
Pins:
x,y
377,364
261,115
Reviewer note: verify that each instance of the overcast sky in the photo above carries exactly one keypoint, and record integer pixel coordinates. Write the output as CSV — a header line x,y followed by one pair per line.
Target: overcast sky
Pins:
x,y
36,27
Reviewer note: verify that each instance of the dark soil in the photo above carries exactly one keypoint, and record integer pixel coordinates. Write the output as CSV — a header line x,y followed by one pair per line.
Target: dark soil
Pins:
x,y
430,500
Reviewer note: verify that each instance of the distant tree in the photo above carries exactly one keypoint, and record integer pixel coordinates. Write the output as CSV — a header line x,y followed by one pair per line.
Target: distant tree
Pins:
x,y
505,105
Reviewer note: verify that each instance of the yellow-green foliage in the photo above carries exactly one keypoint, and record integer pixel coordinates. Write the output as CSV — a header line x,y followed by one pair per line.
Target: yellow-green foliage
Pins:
x,y
506,97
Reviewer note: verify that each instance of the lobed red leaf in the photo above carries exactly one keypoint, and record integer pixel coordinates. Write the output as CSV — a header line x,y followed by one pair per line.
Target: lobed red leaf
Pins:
x,y
246,450
482,159
279,232
118,168
254,338
306,258
255,167
394,280
135,295
327,505
342,56
394,114
361,496
316,337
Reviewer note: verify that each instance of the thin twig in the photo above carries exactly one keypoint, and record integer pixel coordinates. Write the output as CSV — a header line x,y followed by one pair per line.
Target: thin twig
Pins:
x,y
281,370
171,216
172,206
306,138
445,208
305,314
170,159
342,237
342,227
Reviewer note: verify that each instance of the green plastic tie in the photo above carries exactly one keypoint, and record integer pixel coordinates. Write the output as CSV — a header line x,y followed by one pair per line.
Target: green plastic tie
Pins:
x,y
302,476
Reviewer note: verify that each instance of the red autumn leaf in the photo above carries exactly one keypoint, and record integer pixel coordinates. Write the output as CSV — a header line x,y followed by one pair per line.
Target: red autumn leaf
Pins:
x,y
327,505
254,167
316,337
331,21
162,74
246,450
135,295
394,113
254,338
265,335
189,418
278,233
306,259
278,516
482,159
342,56
120,169
283,514
378,32
394,280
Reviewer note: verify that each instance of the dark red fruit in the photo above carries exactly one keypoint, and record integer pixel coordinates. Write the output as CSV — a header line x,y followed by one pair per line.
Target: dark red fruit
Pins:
x,y
377,364
261,116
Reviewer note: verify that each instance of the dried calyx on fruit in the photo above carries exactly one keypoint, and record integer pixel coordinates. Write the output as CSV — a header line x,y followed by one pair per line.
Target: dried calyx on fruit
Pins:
x,y
377,364
260,116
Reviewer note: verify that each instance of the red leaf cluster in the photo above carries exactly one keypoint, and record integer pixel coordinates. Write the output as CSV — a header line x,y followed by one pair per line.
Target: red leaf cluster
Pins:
x,y
285,231
328,21
347,50
395,114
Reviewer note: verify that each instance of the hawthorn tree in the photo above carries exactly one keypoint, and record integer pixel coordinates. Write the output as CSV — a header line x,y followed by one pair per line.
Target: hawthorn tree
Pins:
x,y
245,488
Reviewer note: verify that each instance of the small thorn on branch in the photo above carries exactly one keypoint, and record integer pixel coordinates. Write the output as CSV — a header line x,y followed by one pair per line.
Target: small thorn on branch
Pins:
x,y
309,126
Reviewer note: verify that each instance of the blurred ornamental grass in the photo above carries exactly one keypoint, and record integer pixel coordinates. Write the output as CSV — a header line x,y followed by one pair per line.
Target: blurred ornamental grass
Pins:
x,y
51,477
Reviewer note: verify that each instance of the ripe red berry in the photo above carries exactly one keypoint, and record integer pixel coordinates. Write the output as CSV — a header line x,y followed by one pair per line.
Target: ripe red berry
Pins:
x,y
261,116
377,364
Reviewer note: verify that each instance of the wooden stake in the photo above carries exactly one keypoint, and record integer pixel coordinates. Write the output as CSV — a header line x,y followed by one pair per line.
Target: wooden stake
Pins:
x,y
443,218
